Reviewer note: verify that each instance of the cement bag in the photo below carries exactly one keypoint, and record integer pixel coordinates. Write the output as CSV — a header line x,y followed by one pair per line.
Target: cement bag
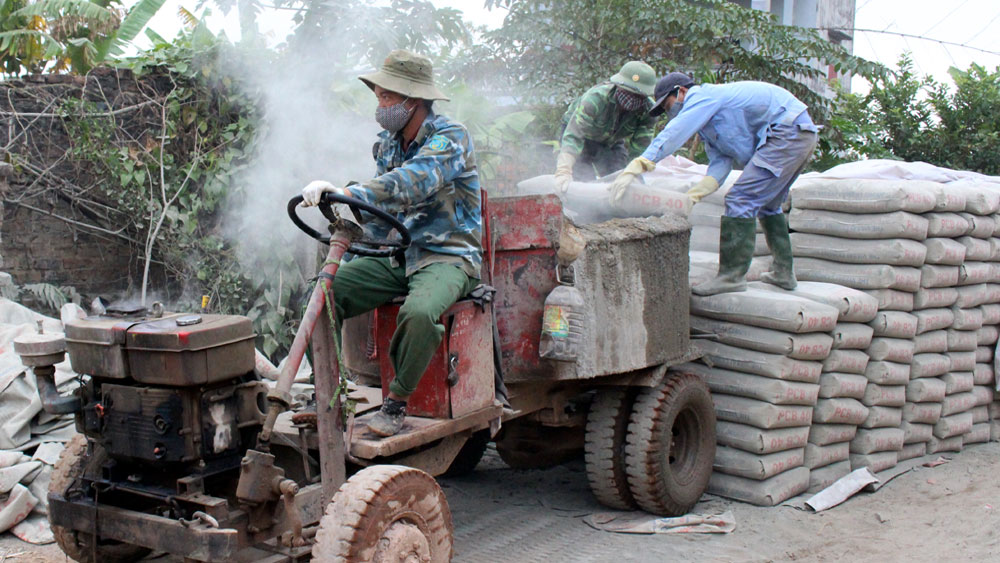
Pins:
x,y
899,224
979,434
944,251
933,341
769,492
871,440
929,365
825,434
858,276
853,336
924,413
883,417
984,354
962,340
895,324
853,305
972,295
759,363
954,425
979,199
934,297
980,414
936,446
994,409
982,374
967,319
957,382
938,276
911,451
886,373
987,336
995,248
892,300
992,293
895,252
995,430
863,196
588,201
752,466
962,361
767,309
984,395
773,391
703,220
698,274
810,346
760,414
976,248
982,227
933,319
947,225
833,385
884,395
891,349
755,440
820,456
971,273
876,462
957,403
947,198
846,361
926,390
991,313
916,432
822,477
839,411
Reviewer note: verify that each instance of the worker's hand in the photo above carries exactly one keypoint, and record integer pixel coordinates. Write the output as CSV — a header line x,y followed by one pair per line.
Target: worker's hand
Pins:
x,y
564,171
621,183
313,193
704,187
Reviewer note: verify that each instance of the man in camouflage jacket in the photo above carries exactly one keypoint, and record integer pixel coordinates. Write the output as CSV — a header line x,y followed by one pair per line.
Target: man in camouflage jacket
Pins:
x,y
607,126
426,175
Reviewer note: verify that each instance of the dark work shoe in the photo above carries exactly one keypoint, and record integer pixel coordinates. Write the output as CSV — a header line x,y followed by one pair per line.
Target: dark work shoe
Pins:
x,y
389,419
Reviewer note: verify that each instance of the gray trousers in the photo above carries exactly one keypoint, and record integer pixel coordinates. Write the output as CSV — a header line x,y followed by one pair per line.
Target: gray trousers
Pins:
x,y
765,181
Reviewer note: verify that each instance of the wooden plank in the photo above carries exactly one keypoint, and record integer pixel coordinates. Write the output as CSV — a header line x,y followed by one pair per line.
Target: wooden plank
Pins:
x,y
416,431
329,428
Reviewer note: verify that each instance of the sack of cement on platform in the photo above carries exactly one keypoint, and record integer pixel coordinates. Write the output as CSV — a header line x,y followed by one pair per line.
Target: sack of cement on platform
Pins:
x,y
767,309
853,305
732,461
899,224
759,441
863,196
769,492
894,251
858,276
740,384
587,202
808,346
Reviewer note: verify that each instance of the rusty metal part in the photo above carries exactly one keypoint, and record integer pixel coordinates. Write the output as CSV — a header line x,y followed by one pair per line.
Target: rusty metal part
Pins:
x,y
40,349
52,401
289,489
304,418
258,478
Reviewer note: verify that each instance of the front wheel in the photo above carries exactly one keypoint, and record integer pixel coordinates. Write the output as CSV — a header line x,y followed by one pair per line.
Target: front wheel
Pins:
x,y
386,514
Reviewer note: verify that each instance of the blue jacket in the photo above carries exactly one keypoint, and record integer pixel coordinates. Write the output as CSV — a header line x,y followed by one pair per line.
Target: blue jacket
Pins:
x,y
733,121
433,188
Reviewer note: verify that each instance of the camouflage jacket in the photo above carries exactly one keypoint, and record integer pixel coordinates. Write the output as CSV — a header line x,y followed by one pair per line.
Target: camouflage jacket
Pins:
x,y
433,188
595,116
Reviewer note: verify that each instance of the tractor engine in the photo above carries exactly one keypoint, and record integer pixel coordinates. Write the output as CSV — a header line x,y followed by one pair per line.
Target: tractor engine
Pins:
x,y
173,392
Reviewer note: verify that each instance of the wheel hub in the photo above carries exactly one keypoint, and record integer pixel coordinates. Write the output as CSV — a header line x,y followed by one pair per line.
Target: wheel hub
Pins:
x,y
403,542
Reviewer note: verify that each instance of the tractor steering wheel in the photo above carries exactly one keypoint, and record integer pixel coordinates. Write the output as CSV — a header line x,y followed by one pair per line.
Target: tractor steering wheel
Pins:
x,y
365,246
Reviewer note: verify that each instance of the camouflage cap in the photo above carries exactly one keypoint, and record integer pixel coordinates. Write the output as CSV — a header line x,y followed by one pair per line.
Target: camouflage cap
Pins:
x,y
406,73
636,76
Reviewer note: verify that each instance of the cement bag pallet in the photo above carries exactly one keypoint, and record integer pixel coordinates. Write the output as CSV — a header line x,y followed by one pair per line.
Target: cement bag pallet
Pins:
x,y
808,346
899,224
892,300
858,276
760,441
752,412
823,477
736,462
774,391
769,492
854,336
852,305
894,252
864,196
767,309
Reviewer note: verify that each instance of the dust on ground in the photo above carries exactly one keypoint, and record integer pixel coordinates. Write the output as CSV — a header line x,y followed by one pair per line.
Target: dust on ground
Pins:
x,y
945,513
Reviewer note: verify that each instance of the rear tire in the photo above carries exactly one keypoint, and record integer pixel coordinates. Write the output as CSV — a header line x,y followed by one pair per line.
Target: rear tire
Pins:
x,y
671,445
604,449
79,546
383,514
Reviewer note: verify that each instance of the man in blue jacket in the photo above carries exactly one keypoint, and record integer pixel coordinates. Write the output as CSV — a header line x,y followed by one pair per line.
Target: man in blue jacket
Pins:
x,y
759,126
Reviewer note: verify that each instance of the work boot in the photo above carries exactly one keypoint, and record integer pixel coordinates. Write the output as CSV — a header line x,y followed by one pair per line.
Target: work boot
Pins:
x,y
781,273
736,242
389,419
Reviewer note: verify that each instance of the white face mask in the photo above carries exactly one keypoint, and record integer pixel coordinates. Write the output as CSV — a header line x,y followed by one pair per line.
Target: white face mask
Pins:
x,y
394,117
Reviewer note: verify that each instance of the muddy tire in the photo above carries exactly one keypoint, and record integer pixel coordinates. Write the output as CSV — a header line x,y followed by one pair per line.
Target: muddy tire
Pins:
x,y
383,514
469,456
670,446
604,448
79,546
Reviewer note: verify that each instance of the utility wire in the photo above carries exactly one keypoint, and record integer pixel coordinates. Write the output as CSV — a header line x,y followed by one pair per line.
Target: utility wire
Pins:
x,y
980,32
912,36
957,8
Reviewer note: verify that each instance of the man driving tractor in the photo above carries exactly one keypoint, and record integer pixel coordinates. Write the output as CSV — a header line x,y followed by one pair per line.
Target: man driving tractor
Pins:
x,y
426,175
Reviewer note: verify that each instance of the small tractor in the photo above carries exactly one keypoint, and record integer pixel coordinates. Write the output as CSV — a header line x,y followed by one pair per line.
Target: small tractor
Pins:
x,y
183,448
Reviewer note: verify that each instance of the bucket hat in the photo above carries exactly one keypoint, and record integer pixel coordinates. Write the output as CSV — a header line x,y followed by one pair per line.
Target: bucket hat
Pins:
x,y
406,73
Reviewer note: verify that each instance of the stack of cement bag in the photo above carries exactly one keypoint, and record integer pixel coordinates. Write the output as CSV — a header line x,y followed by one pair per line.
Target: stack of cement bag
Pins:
x,y
763,365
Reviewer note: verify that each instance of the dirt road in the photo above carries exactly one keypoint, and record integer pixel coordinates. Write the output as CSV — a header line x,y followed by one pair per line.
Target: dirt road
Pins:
x,y
946,513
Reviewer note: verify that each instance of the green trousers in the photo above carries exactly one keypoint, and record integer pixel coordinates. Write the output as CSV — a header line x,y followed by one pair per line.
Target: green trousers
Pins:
x,y
365,283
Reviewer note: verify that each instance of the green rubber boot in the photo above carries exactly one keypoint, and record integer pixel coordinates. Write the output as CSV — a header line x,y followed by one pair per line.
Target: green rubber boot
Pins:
x,y
736,242
776,233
